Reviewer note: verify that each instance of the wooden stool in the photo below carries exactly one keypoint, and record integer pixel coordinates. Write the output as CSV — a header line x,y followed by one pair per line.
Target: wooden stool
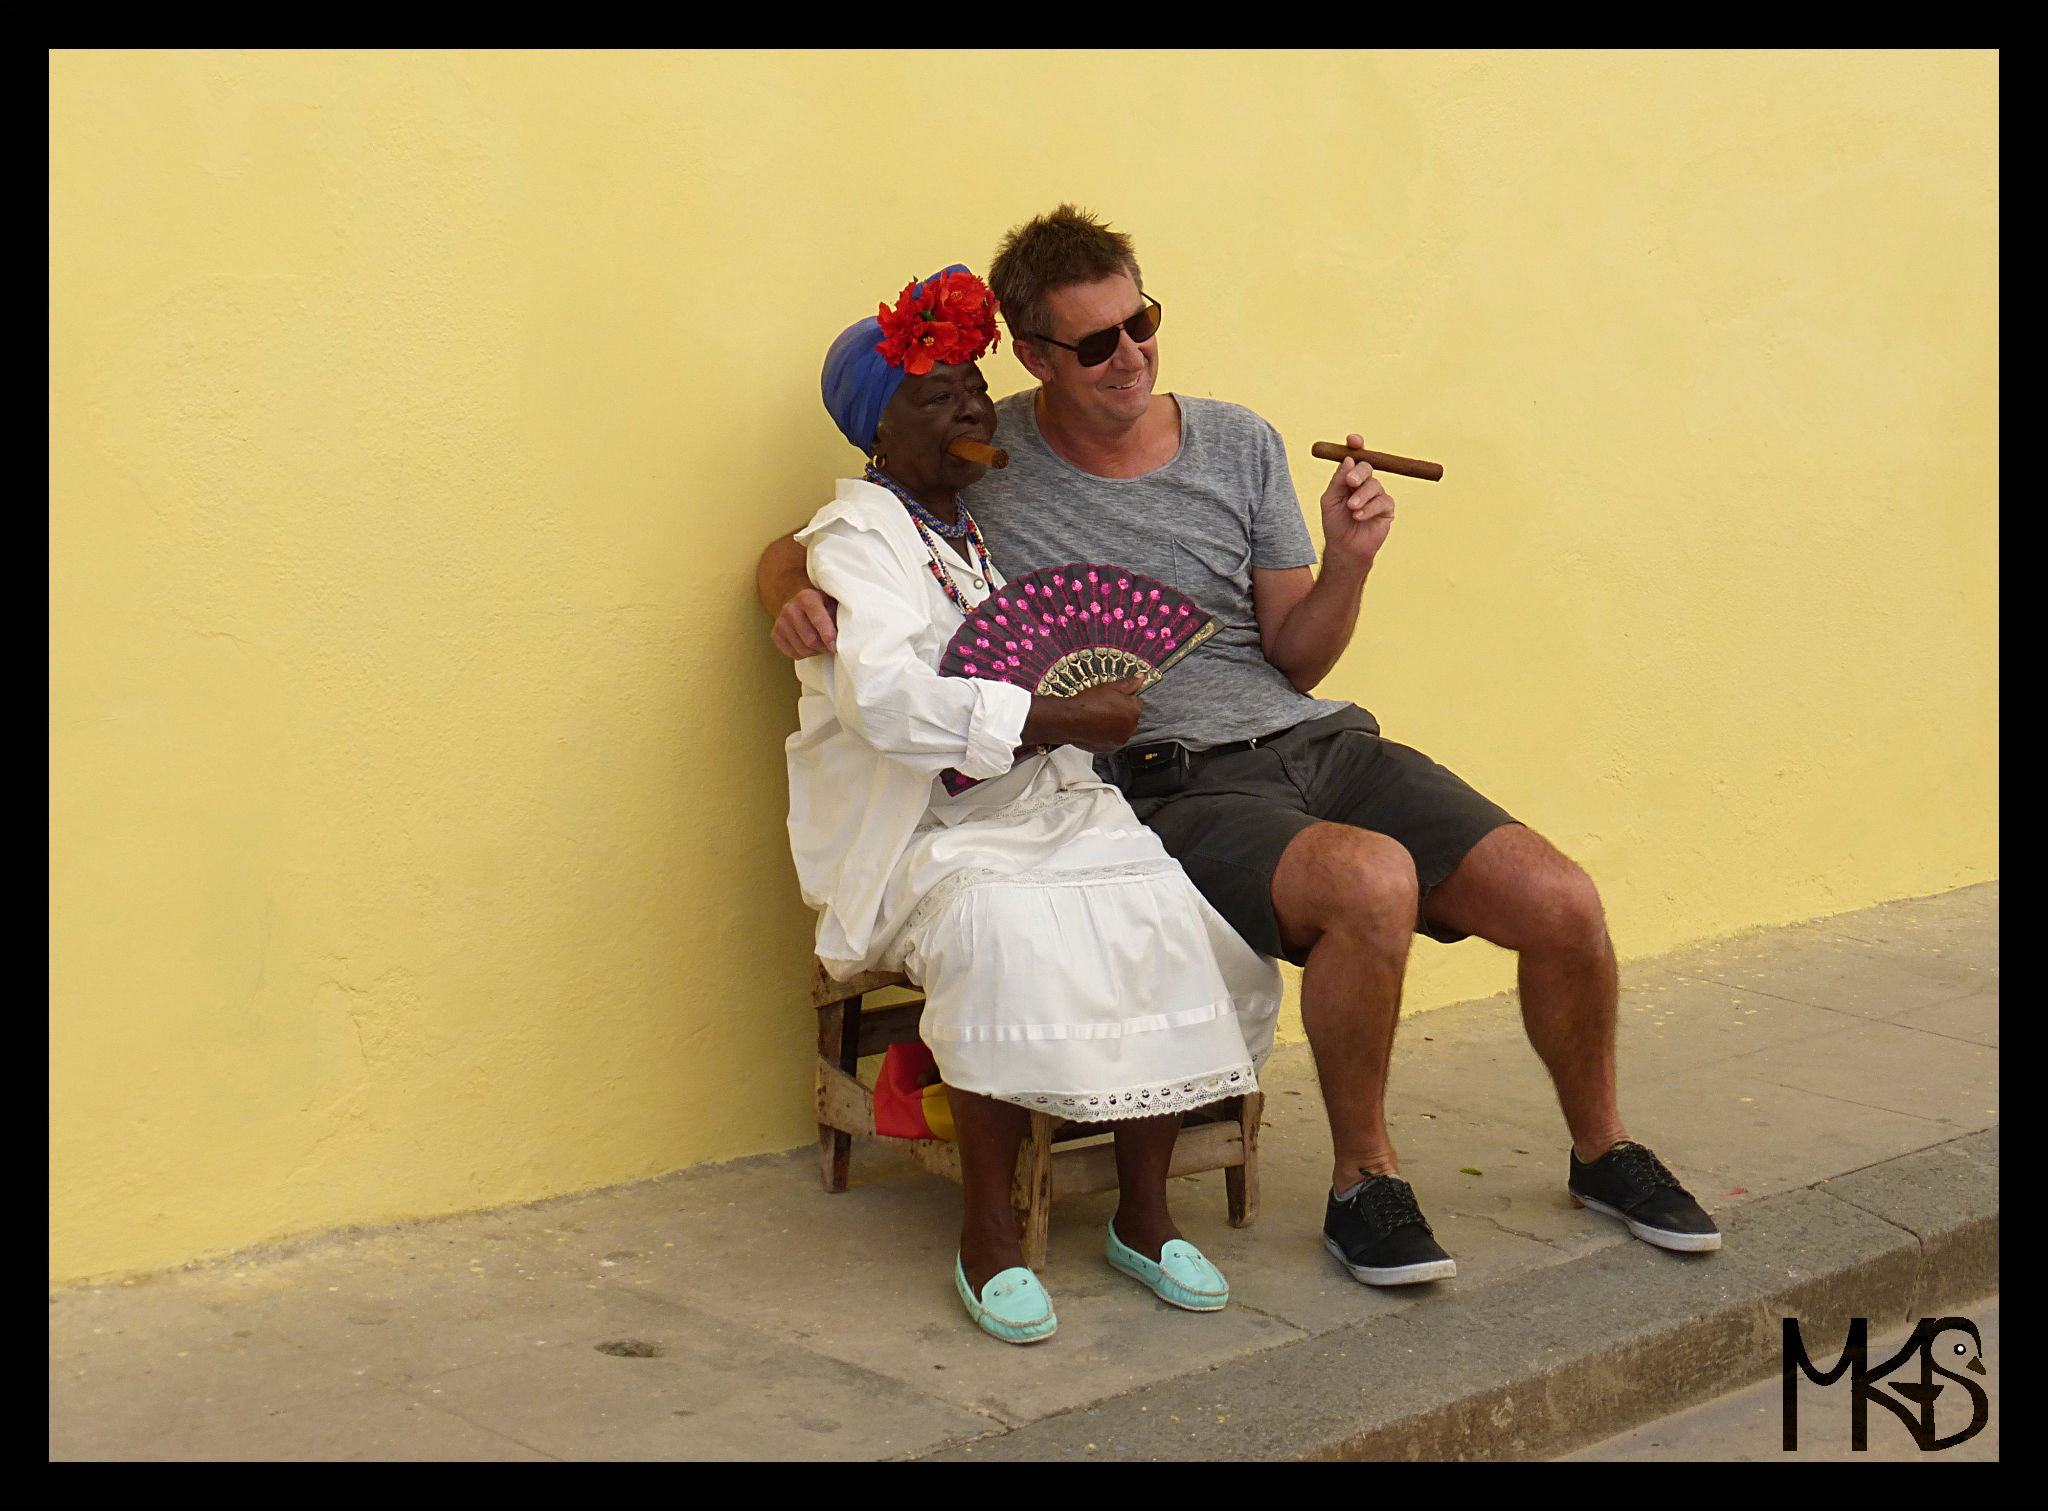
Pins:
x,y
1222,1136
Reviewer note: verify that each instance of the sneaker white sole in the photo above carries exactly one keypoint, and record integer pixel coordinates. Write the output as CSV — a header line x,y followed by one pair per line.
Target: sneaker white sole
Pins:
x,y
1399,1274
1663,1238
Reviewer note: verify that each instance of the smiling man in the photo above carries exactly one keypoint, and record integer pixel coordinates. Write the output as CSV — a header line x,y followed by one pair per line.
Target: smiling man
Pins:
x,y
1316,837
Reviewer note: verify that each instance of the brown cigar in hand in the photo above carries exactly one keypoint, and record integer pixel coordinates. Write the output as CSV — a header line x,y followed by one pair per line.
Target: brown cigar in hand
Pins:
x,y
1379,461
969,450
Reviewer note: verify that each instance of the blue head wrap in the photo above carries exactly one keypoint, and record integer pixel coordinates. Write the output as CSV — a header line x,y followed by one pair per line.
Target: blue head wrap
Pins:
x,y
857,383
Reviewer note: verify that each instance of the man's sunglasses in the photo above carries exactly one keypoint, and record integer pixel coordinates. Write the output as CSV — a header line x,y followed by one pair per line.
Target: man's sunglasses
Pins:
x,y
1097,347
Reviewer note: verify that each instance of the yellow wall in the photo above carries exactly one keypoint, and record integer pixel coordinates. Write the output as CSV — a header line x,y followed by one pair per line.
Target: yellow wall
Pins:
x,y
416,796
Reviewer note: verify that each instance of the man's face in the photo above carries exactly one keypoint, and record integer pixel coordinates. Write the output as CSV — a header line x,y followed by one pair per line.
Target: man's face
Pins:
x,y
1120,390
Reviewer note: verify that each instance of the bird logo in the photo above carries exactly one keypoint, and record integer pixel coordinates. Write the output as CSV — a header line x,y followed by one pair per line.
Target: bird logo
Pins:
x,y
1922,1393
1912,1401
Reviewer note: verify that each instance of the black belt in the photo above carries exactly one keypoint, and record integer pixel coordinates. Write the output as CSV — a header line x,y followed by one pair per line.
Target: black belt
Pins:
x,y
1141,755
1235,745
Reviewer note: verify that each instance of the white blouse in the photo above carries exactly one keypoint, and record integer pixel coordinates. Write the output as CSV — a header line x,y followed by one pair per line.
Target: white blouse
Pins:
x,y
877,723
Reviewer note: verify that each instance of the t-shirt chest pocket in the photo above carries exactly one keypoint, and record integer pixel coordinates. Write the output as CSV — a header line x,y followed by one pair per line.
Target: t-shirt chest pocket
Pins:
x,y
1219,581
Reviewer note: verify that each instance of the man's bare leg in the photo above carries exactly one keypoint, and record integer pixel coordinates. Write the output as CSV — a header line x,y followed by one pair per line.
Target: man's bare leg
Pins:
x,y
1516,890
1349,896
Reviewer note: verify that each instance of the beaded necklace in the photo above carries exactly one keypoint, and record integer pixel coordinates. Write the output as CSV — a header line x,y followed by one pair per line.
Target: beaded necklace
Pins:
x,y
926,522
919,511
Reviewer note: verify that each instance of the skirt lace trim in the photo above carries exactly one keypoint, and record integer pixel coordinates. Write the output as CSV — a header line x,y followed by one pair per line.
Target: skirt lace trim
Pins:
x,y
1140,1101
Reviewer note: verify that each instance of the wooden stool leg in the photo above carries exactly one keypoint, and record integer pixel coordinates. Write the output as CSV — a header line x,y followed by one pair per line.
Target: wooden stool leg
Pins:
x,y
1241,1182
838,1045
1033,1191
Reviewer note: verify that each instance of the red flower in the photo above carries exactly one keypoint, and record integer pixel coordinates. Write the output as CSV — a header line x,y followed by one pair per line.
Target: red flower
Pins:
x,y
952,321
932,342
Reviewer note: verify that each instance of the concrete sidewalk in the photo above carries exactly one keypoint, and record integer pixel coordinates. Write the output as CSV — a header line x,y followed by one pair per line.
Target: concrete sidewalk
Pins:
x,y
1829,1090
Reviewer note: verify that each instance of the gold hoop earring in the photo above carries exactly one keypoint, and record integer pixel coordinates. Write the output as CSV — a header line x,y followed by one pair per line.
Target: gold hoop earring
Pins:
x,y
879,461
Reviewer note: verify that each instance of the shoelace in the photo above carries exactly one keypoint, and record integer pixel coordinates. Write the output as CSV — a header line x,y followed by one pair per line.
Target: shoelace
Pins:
x,y
1643,1168
1391,1204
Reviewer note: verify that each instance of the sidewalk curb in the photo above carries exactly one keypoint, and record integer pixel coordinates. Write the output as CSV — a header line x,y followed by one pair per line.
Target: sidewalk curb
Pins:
x,y
1568,1355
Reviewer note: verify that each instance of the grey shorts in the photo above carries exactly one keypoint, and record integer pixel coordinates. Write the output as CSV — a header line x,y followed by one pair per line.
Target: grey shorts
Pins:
x,y
1241,810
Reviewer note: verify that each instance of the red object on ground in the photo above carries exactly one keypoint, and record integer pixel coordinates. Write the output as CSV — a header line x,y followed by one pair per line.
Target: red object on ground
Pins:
x,y
904,1109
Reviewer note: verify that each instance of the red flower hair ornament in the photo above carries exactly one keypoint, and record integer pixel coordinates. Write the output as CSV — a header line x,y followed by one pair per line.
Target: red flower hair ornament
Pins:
x,y
951,319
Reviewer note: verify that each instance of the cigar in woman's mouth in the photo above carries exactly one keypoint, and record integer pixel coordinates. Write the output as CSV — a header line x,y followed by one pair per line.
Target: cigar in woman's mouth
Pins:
x,y
970,450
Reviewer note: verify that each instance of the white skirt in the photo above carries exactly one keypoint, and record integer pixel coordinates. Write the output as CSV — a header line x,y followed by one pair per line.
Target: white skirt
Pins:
x,y
1068,964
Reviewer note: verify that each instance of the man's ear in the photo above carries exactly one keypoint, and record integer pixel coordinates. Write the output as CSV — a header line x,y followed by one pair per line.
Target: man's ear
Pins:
x,y
1033,359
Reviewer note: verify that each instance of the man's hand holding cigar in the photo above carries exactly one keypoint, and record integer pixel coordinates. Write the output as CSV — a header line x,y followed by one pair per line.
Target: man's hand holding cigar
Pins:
x,y
1357,512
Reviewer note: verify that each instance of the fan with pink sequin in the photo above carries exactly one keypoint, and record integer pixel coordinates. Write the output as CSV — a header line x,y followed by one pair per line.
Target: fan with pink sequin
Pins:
x,y
1062,630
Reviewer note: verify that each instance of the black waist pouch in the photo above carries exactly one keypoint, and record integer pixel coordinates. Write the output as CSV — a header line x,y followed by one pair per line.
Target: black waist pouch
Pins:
x,y
1144,771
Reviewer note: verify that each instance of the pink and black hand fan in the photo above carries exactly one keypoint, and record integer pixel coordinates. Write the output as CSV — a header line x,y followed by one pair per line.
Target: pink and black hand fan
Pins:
x,y
1061,630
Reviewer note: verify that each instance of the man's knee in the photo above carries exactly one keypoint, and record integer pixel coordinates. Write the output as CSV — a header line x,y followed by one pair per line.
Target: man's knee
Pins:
x,y
1567,905
1335,876
1521,892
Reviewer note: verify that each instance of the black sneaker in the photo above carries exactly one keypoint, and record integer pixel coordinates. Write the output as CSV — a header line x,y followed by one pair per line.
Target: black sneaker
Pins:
x,y
1631,1183
1380,1235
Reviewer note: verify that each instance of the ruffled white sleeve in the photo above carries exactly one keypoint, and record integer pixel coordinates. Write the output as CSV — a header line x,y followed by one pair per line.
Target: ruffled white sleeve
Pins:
x,y
884,691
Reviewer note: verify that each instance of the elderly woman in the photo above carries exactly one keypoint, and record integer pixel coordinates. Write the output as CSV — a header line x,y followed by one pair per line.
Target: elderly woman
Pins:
x,y
1068,964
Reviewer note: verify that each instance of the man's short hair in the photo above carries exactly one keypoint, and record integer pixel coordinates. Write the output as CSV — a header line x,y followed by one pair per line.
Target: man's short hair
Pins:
x,y
1068,246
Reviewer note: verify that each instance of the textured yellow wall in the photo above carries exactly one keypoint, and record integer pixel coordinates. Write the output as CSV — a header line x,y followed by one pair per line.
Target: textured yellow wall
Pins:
x,y
415,422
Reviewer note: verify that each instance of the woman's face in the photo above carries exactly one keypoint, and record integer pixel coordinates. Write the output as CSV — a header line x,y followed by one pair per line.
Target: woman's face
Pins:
x,y
926,416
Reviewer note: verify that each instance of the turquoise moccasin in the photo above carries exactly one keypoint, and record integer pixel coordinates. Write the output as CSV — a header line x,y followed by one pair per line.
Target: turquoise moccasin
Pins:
x,y
1182,1277
1013,1305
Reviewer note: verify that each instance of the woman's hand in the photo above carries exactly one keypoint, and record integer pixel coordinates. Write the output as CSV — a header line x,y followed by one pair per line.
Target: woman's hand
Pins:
x,y
1099,720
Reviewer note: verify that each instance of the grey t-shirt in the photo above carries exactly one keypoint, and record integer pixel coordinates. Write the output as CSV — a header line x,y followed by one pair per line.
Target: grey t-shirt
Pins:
x,y
1223,505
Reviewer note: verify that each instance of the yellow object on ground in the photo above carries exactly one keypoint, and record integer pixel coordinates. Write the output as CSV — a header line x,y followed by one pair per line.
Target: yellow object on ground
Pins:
x,y
938,1113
